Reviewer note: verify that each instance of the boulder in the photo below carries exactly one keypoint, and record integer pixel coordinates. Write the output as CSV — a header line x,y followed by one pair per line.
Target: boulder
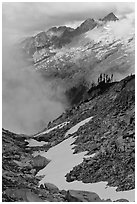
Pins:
x,y
51,187
23,194
40,162
63,192
82,196
121,200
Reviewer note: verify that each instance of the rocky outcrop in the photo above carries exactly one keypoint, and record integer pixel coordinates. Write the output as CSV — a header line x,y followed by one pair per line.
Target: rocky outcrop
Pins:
x,y
58,31
87,25
39,162
24,195
110,17
122,200
51,187
82,196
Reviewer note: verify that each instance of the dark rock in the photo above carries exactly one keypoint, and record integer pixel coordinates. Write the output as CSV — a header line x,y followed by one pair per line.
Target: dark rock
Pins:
x,y
51,187
87,25
40,162
42,186
82,196
63,192
110,17
108,200
121,200
24,194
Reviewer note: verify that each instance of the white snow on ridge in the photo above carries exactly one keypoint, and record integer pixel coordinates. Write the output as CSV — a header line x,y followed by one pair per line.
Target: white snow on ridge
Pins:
x,y
49,130
121,30
35,143
62,161
76,127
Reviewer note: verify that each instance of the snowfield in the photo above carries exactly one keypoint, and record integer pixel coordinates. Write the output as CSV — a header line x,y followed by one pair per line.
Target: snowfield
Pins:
x,y
35,143
76,127
63,160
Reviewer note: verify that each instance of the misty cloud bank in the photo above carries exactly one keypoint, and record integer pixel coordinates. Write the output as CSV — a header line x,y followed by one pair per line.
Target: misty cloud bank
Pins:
x,y
29,101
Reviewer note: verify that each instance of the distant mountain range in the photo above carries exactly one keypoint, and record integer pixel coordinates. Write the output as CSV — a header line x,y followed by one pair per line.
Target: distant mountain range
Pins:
x,y
74,56
59,36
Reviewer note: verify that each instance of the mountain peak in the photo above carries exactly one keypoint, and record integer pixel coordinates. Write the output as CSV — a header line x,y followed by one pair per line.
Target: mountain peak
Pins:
x,y
88,22
87,25
58,31
110,17
60,28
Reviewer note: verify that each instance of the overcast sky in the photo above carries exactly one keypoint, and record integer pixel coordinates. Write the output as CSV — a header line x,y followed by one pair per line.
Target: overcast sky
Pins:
x,y
28,18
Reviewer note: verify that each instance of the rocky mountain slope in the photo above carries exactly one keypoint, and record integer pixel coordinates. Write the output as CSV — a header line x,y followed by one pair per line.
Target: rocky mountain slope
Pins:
x,y
19,183
110,136
19,167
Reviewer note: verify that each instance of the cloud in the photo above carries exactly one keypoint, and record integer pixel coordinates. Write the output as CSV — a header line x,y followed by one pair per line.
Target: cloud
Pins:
x,y
29,101
33,17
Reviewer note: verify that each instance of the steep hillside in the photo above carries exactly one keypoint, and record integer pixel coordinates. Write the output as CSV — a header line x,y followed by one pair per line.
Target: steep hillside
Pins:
x,y
110,136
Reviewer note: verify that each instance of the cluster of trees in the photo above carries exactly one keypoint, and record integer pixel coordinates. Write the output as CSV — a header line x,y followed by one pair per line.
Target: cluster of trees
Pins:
x,y
105,78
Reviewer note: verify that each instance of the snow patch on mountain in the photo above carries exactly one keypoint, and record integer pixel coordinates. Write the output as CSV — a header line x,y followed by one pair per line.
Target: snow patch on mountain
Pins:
x,y
77,126
53,128
112,31
35,143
